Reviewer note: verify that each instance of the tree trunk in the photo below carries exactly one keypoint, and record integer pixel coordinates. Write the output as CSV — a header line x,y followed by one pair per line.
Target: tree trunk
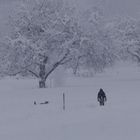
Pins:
x,y
42,83
42,76
75,69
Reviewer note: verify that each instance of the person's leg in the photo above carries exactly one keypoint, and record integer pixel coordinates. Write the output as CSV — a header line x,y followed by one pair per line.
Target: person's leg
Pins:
x,y
101,101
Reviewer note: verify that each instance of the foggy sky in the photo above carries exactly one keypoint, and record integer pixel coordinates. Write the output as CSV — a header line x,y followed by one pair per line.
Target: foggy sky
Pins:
x,y
111,8
122,7
117,7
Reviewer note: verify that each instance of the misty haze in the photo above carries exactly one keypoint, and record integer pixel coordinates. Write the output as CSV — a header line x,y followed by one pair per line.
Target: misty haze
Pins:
x,y
69,69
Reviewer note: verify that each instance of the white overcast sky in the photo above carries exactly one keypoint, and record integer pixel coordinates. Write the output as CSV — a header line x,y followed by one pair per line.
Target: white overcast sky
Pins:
x,y
119,7
112,8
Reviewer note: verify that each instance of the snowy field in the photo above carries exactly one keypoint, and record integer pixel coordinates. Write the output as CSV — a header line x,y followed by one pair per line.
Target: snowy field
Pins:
x,y
83,118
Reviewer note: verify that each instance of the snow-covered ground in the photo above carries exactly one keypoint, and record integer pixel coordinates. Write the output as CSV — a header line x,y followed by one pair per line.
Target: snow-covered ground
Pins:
x,y
83,118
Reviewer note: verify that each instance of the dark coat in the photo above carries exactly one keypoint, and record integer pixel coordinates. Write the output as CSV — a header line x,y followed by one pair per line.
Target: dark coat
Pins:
x,y
101,96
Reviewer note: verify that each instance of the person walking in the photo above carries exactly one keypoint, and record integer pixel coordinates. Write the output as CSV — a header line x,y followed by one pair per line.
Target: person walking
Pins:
x,y
101,97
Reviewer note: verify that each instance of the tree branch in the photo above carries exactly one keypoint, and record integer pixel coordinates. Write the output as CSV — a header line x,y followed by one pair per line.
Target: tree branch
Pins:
x,y
133,54
12,74
23,68
66,61
60,62
36,75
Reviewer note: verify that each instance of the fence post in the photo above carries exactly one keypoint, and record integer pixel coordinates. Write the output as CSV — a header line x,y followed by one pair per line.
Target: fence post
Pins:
x,y
64,101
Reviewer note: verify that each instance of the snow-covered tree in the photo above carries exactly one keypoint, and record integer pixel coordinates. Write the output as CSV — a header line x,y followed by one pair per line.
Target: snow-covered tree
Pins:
x,y
42,37
125,35
4,58
95,43
48,33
